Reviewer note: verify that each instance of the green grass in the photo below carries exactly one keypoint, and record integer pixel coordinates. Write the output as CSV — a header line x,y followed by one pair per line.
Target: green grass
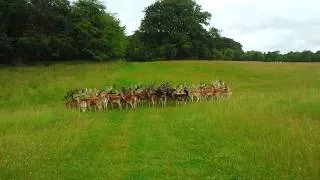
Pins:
x,y
268,129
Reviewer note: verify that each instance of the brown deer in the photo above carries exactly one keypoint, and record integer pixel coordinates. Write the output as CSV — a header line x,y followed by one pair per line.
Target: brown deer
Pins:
x,y
218,93
114,99
141,97
95,103
153,98
207,92
130,99
163,100
195,94
73,103
104,100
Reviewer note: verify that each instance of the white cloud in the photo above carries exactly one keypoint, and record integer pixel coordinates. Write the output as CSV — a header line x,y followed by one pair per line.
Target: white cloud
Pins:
x,y
257,24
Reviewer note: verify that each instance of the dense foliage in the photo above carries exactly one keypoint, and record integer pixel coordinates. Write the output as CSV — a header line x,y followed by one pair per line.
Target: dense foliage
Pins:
x,y
174,29
56,29
41,30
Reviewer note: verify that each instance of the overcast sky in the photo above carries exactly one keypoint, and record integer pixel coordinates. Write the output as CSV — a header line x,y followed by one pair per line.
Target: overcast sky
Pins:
x,y
271,25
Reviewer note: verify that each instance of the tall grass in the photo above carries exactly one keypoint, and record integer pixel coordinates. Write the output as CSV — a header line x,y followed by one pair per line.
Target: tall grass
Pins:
x,y
268,129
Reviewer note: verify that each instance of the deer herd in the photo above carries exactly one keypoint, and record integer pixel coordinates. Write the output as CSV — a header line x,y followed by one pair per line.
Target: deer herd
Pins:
x,y
137,96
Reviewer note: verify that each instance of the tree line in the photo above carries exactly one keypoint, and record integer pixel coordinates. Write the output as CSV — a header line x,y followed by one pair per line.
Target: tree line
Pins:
x,y
57,30
33,30
304,56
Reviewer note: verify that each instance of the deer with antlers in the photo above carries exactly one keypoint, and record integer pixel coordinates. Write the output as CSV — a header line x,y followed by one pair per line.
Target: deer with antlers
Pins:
x,y
114,99
129,99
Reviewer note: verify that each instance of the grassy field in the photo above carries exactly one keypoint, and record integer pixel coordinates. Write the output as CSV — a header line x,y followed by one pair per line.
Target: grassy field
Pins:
x,y
268,129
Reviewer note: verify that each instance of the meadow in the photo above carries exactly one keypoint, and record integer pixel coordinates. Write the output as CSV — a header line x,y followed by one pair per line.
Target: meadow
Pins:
x,y
268,129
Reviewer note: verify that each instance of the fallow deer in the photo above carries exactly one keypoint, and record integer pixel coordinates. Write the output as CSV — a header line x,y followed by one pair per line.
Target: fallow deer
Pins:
x,y
114,99
130,99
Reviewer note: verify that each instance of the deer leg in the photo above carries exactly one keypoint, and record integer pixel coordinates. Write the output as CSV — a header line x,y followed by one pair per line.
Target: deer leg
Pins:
x,y
120,106
153,103
106,106
135,104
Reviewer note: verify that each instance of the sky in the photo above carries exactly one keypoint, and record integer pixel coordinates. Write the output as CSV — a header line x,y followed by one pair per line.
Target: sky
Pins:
x,y
264,25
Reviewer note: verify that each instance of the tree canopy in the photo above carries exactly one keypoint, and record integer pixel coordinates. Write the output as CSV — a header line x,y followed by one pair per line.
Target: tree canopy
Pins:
x,y
56,29
175,29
